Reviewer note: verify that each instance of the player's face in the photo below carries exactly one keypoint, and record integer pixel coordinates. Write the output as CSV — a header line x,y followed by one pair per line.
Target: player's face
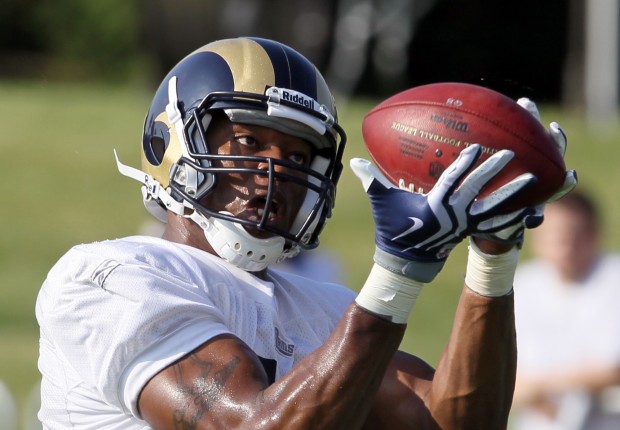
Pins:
x,y
244,195
567,239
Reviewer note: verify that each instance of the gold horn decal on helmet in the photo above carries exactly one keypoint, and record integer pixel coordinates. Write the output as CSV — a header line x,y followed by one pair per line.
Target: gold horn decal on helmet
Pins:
x,y
249,76
171,156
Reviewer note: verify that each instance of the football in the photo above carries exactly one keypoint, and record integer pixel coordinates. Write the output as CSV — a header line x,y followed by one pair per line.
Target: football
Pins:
x,y
415,135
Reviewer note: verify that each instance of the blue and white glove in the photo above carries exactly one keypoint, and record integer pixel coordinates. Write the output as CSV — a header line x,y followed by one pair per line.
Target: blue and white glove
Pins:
x,y
414,233
514,234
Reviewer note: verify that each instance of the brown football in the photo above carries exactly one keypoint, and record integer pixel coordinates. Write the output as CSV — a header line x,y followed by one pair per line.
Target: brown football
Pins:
x,y
415,135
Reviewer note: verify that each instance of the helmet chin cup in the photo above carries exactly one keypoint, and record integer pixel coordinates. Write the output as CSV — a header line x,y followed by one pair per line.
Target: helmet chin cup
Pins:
x,y
234,244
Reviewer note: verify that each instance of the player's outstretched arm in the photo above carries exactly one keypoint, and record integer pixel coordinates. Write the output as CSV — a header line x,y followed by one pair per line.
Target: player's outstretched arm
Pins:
x,y
222,384
414,234
475,377
473,384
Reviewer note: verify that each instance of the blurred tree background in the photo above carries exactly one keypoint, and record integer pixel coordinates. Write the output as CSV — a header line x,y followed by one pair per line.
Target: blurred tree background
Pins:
x,y
368,47
69,40
365,47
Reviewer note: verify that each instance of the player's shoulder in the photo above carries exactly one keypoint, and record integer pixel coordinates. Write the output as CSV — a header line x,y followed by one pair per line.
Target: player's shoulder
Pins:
x,y
93,261
328,293
128,250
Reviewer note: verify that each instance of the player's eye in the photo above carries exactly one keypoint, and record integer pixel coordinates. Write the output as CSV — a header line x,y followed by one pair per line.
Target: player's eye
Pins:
x,y
246,140
299,158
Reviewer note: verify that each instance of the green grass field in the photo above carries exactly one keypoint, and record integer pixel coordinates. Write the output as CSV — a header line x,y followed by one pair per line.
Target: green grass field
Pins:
x,y
61,188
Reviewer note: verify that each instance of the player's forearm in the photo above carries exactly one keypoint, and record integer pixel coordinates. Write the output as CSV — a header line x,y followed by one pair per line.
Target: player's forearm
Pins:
x,y
335,386
475,378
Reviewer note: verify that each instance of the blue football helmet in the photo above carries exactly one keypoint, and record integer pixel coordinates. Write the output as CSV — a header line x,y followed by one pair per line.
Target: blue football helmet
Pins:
x,y
252,81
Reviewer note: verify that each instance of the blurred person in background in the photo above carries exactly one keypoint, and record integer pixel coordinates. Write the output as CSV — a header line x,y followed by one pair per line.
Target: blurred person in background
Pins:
x,y
567,307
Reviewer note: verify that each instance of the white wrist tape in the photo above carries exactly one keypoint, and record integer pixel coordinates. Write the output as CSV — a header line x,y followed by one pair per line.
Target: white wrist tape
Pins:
x,y
491,275
389,295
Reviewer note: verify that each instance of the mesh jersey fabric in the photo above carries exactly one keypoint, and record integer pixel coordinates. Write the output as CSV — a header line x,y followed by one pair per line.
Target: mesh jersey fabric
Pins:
x,y
113,314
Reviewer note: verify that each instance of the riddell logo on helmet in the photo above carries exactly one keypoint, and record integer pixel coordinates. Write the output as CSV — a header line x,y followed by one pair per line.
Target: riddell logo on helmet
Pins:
x,y
298,98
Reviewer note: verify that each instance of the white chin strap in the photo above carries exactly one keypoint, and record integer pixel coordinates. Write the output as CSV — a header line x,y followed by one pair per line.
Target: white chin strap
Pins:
x,y
235,245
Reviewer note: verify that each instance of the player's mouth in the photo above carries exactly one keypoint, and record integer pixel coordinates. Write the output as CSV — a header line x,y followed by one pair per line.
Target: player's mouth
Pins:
x,y
256,208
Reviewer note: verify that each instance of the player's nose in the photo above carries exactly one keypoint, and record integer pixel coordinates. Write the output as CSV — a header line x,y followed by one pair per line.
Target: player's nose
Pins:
x,y
269,153
273,151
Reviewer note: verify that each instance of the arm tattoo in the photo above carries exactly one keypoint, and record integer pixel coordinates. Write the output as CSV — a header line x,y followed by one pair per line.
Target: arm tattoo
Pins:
x,y
200,392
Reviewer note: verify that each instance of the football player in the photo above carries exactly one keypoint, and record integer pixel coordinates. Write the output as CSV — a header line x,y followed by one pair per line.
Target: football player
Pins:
x,y
241,156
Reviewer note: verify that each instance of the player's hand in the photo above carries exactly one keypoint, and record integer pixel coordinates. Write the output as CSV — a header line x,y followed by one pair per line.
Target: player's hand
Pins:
x,y
414,233
515,233
559,136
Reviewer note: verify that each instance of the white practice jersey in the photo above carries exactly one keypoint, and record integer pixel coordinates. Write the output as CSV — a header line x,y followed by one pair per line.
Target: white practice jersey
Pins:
x,y
115,313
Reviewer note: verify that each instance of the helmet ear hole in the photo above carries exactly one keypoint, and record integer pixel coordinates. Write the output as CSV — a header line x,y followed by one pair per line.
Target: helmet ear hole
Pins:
x,y
158,146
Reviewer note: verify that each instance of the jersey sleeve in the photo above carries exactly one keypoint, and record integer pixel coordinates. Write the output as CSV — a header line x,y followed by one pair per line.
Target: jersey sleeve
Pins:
x,y
119,324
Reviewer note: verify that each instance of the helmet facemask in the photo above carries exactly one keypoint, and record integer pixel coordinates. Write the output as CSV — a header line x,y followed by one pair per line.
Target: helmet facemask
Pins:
x,y
197,175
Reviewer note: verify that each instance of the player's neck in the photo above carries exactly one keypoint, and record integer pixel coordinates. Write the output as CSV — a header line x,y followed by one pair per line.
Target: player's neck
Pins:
x,y
184,231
